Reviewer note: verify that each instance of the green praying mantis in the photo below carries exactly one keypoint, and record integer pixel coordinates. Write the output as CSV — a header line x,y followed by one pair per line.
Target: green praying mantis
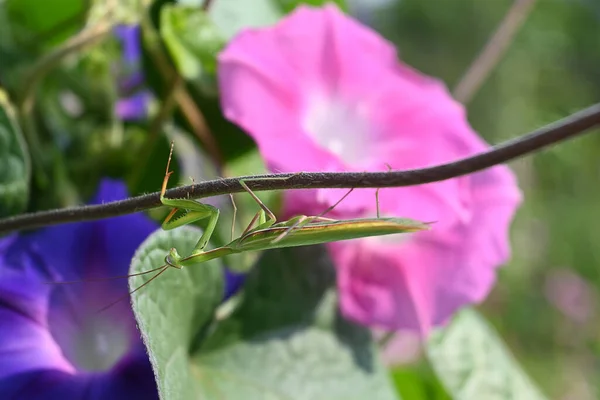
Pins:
x,y
264,232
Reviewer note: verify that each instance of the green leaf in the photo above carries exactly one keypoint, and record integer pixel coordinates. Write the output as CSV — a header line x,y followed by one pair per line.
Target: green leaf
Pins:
x,y
15,169
231,16
289,5
192,39
172,309
473,363
286,339
418,382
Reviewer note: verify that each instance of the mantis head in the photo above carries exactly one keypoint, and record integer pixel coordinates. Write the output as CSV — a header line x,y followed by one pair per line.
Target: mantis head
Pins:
x,y
172,259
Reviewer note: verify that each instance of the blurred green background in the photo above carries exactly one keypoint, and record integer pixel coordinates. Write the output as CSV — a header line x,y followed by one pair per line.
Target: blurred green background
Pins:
x,y
545,304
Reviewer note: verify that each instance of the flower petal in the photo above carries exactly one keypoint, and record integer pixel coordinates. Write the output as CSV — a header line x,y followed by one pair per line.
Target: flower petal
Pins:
x,y
127,382
130,39
134,107
25,345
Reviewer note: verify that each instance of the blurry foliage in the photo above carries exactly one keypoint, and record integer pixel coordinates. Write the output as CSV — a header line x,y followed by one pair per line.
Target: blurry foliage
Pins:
x,y
193,40
551,69
14,162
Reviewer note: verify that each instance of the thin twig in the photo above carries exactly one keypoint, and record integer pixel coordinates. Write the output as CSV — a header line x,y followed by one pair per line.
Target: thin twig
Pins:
x,y
566,128
386,339
196,119
184,100
493,51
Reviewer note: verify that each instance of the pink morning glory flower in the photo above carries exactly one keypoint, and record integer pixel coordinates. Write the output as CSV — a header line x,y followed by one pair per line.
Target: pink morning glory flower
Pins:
x,y
321,92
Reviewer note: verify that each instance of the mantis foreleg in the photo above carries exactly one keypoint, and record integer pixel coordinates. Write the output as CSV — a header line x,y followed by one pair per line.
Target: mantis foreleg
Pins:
x,y
193,211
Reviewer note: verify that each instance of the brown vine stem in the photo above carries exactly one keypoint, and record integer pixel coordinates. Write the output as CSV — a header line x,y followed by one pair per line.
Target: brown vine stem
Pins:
x,y
564,129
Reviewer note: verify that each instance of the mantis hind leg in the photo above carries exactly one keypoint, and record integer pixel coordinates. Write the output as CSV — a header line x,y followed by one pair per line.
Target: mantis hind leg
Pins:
x,y
307,220
264,217
377,192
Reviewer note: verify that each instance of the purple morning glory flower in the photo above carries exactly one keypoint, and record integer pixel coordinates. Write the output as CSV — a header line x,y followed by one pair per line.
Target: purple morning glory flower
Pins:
x,y
129,35
53,341
54,344
131,106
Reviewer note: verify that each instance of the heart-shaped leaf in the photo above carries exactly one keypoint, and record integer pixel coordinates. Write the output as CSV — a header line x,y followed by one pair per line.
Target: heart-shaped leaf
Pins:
x,y
173,308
